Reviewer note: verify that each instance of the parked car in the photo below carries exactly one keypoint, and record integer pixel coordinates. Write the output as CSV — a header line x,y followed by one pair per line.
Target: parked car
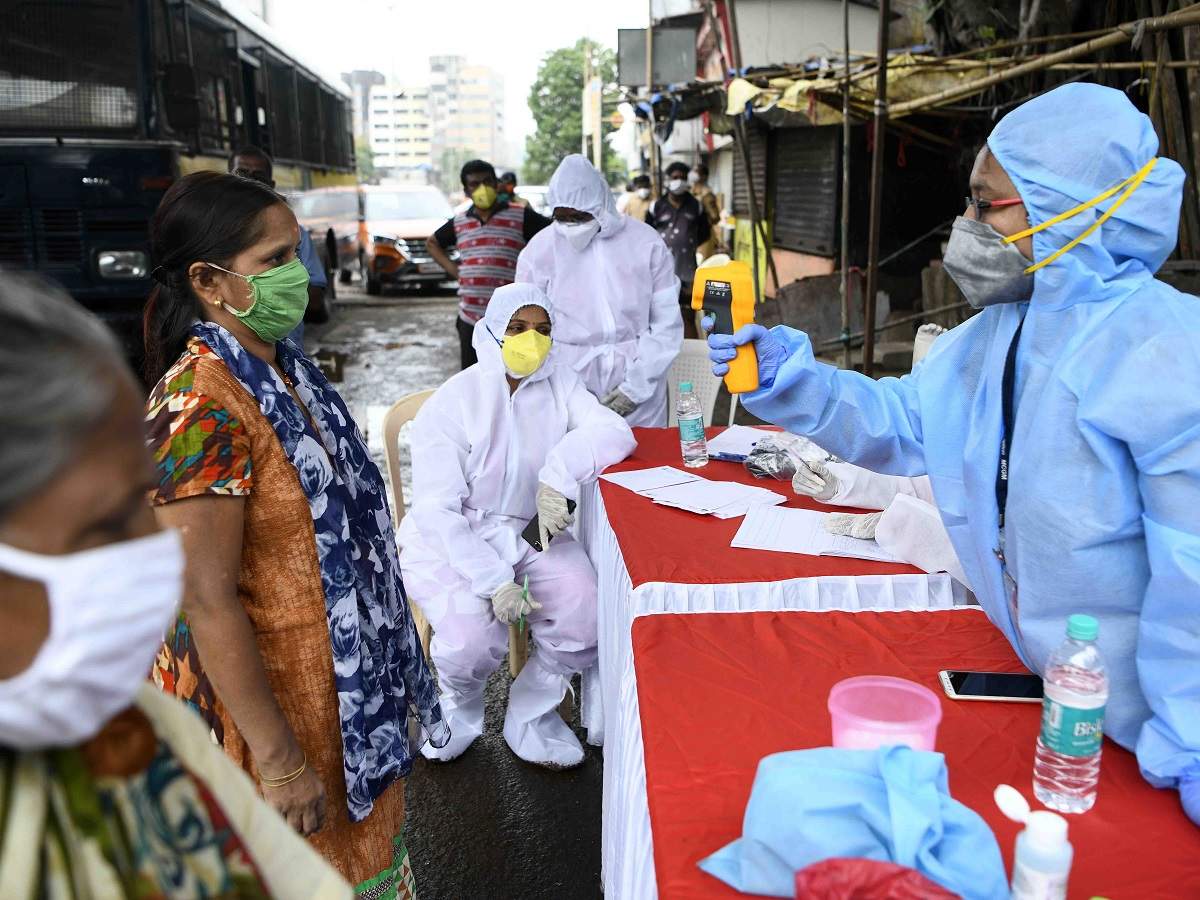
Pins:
x,y
333,217
535,195
397,219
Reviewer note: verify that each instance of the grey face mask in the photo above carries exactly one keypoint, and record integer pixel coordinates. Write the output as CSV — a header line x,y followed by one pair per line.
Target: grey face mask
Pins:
x,y
987,270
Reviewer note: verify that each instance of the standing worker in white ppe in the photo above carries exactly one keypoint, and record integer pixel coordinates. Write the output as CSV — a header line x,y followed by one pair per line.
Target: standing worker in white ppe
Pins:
x,y
1060,426
506,441
615,293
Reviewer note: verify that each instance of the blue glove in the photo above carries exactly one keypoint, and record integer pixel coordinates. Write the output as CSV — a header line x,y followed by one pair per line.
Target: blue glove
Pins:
x,y
1189,796
723,347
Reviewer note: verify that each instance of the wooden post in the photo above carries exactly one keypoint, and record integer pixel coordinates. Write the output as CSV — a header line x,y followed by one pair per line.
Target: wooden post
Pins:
x,y
847,360
881,117
1191,50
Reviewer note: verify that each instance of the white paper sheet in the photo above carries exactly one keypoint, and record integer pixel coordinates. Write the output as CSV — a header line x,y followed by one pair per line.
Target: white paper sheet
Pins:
x,y
642,480
700,496
736,440
800,531
759,497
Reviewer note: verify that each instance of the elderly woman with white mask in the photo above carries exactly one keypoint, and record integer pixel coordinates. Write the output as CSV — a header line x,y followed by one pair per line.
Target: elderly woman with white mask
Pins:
x,y
616,296
504,442
107,786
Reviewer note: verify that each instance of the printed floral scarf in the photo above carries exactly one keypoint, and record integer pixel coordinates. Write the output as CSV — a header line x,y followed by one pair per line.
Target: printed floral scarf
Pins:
x,y
379,669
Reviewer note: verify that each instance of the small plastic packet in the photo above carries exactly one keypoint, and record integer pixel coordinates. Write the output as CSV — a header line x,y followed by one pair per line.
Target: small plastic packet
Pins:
x,y
777,455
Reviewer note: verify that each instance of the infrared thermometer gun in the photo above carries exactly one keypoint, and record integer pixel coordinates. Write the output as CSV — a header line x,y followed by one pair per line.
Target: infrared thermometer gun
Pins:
x,y
726,292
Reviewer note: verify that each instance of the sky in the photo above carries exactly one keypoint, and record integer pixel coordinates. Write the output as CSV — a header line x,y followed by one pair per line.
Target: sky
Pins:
x,y
397,37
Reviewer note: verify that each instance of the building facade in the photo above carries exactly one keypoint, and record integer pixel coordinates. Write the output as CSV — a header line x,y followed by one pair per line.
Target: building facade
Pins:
x,y
401,131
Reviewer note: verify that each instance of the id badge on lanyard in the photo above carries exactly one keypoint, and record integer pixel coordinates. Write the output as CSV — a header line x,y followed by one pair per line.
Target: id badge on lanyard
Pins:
x,y
1008,388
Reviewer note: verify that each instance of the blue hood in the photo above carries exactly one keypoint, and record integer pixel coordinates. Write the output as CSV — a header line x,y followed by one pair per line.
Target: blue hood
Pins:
x,y
1062,149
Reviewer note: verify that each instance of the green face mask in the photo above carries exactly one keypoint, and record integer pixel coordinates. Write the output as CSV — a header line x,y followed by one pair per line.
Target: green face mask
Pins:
x,y
280,296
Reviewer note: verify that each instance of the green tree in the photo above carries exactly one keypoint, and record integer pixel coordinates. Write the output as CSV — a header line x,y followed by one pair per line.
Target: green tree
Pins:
x,y
449,165
364,159
556,101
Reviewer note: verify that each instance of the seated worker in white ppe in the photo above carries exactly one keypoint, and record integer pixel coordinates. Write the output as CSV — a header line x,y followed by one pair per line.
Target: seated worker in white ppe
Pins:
x,y
508,440
1060,426
908,526
615,294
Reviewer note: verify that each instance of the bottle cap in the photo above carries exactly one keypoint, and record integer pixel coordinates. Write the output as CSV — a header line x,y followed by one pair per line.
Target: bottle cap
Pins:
x,y
1046,829
1082,628
685,386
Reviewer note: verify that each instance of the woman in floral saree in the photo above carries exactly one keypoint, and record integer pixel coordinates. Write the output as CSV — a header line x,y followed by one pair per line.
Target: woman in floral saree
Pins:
x,y
295,644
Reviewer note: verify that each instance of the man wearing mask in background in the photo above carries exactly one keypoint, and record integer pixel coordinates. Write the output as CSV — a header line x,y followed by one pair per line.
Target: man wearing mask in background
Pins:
x,y
255,164
507,192
637,201
681,221
489,235
698,179
615,295
1060,426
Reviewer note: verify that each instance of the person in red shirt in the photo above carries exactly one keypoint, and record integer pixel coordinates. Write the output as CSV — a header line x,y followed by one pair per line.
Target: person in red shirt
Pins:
x,y
489,234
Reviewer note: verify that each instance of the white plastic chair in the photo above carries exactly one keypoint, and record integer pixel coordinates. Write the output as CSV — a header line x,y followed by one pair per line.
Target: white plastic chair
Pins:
x,y
692,364
405,410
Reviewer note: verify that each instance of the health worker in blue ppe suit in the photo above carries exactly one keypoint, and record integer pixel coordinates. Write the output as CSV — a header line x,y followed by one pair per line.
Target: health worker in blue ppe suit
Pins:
x,y
1095,506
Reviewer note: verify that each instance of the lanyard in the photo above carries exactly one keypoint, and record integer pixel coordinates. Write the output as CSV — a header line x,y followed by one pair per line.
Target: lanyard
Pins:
x,y
1008,388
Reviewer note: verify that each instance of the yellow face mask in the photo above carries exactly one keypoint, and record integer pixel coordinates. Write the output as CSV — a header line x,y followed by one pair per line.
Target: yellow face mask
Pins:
x,y
524,353
484,196
1130,184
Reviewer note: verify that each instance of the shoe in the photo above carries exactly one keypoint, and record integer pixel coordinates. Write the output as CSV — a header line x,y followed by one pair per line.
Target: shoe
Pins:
x,y
533,728
463,715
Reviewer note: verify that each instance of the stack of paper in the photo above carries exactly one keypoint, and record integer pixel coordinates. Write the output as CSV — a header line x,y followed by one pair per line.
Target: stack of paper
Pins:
x,y
801,531
735,443
668,486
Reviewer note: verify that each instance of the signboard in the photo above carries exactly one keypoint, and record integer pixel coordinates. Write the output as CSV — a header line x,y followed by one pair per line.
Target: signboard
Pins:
x,y
674,56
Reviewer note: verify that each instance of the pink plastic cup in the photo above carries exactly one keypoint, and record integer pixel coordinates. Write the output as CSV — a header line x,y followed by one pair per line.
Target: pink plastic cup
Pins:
x,y
872,711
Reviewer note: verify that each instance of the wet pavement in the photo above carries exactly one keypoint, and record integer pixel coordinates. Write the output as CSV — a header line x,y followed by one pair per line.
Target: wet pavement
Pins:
x,y
486,825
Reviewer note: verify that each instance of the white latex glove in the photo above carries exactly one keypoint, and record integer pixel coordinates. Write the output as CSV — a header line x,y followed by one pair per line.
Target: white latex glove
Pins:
x,y
618,403
509,603
813,479
553,515
855,525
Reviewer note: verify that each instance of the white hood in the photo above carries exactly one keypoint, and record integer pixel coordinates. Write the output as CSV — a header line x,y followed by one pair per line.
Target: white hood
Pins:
x,y
505,302
577,185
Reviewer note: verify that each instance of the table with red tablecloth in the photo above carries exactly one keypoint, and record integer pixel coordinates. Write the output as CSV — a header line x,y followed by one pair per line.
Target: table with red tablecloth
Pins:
x,y
718,692
654,559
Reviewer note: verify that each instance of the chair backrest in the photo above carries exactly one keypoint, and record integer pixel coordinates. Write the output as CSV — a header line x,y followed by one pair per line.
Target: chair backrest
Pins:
x,y
403,410
692,364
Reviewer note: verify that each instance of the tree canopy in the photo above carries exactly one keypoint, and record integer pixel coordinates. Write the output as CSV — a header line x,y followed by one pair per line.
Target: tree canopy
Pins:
x,y
557,106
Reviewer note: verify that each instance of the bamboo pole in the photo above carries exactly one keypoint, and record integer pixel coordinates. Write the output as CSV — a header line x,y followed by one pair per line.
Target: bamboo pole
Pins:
x,y
881,117
1191,50
846,356
1120,34
1177,142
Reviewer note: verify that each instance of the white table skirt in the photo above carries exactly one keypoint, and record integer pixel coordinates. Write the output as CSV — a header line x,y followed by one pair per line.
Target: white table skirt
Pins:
x,y
610,701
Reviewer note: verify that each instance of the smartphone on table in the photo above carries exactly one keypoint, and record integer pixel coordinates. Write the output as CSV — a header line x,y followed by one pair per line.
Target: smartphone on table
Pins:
x,y
1007,687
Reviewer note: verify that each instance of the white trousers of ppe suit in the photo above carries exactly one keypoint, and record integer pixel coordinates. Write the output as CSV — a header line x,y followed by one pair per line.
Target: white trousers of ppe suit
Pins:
x,y
469,644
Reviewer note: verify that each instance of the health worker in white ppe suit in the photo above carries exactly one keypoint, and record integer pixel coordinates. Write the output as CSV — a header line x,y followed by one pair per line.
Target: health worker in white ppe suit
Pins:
x,y
504,442
1060,426
615,294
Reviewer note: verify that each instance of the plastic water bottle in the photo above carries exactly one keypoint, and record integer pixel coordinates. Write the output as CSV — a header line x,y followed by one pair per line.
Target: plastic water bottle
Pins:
x,y
1067,766
691,427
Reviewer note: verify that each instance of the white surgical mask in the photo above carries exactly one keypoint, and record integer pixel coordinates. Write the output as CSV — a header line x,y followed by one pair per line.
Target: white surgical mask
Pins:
x,y
677,186
578,234
644,193
109,610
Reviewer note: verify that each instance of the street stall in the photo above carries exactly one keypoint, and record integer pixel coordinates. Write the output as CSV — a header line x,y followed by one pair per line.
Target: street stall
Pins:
x,y
652,560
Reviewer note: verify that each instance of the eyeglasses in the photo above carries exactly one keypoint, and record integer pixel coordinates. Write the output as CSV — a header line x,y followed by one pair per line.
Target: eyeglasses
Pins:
x,y
982,206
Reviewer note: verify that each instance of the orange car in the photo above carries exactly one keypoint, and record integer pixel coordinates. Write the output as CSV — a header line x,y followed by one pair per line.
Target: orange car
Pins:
x,y
396,221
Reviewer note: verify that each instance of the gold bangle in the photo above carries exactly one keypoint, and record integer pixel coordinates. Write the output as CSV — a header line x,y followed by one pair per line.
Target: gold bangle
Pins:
x,y
284,779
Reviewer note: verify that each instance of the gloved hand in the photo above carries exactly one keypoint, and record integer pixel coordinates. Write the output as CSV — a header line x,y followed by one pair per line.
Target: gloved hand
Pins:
x,y
553,514
855,525
813,479
1189,796
723,347
509,603
618,403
